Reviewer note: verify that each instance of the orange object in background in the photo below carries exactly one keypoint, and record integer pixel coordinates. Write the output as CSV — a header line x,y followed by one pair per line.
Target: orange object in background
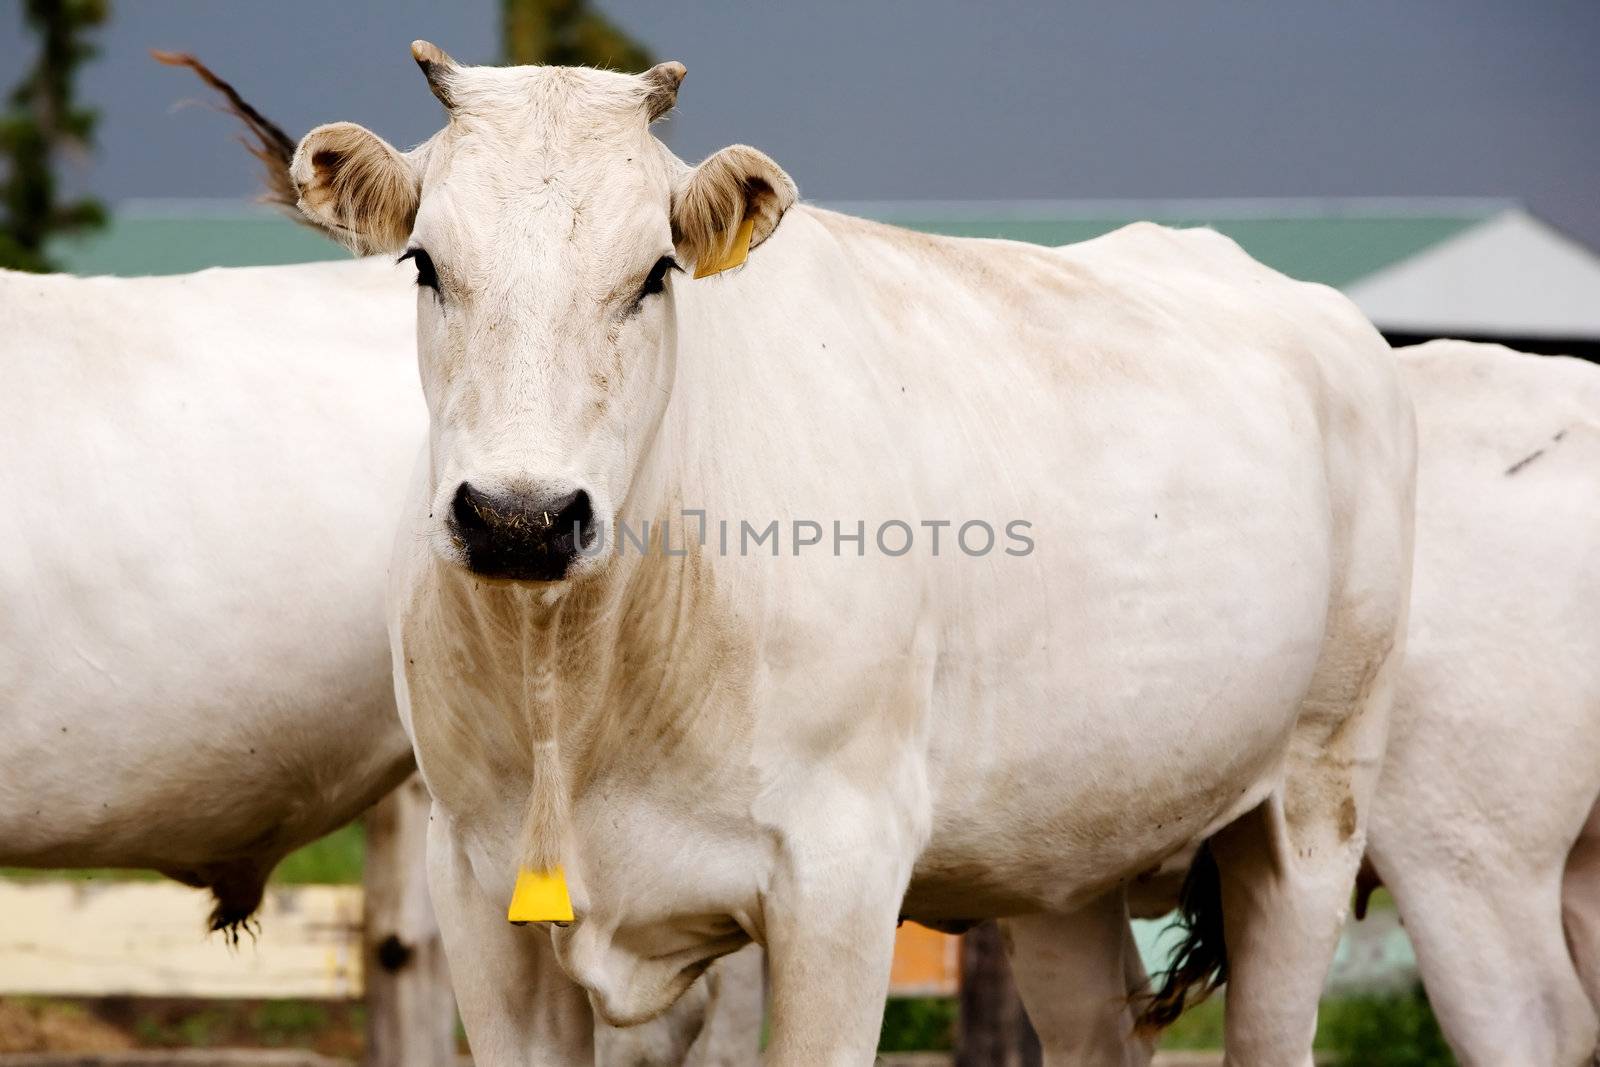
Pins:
x,y
926,963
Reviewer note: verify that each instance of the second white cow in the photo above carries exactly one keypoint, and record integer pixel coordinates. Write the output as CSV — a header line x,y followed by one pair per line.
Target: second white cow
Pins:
x,y
1485,827
192,670
1485,824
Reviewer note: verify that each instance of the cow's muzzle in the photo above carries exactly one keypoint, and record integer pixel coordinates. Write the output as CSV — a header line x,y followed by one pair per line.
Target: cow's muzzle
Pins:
x,y
531,537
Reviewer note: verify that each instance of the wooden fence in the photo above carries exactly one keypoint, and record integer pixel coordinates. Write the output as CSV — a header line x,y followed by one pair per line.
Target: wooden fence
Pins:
x,y
377,941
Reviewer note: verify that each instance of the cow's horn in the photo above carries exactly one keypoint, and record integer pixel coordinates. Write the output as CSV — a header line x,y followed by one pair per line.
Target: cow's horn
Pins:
x,y
436,67
661,87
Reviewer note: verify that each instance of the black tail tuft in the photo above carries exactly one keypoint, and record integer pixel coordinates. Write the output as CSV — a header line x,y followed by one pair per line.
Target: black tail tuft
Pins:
x,y
273,147
234,906
1200,965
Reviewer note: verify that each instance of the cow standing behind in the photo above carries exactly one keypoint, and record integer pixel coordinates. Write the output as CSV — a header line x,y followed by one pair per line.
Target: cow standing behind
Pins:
x,y
1486,827
192,673
1216,464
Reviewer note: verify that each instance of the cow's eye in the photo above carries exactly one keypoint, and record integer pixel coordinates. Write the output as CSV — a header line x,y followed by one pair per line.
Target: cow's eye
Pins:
x,y
656,280
426,278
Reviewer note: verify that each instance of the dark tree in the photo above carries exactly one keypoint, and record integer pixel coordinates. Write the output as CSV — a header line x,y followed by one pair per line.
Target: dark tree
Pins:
x,y
41,120
569,33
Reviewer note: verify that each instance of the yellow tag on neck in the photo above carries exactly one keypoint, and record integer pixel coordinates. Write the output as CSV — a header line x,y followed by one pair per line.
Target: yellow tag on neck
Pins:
x,y
540,897
736,255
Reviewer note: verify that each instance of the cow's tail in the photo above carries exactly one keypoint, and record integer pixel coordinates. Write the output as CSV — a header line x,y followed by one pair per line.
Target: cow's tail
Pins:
x,y
267,141
1200,964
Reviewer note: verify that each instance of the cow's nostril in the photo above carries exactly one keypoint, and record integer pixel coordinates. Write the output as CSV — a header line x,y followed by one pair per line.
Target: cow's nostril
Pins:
x,y
470,509
574,516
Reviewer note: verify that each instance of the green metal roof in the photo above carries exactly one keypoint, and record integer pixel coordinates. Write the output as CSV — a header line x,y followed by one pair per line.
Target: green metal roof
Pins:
x,y
1335,251
1336,247
177,245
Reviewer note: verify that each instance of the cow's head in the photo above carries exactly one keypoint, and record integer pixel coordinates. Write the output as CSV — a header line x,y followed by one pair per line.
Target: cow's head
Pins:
x,y
548,228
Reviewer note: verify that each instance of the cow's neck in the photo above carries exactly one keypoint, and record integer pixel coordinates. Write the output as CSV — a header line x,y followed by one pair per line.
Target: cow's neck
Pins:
x,y
615,672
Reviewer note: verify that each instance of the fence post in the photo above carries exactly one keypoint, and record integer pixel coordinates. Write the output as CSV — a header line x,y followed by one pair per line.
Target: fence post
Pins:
x,y
411,1012
992,1030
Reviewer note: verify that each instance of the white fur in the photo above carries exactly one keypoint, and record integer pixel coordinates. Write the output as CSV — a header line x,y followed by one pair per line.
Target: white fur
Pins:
x,y
1485,829
1217,465
197,474
1485,826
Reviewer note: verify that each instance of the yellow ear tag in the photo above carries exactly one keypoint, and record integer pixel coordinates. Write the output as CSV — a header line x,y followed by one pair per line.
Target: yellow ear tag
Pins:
x,y
736,255
540,897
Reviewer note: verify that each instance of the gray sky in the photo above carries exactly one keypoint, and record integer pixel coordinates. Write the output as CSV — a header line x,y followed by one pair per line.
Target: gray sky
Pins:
x,y
938,99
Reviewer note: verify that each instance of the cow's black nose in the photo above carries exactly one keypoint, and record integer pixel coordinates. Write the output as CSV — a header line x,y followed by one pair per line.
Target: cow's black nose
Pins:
x,y
526,536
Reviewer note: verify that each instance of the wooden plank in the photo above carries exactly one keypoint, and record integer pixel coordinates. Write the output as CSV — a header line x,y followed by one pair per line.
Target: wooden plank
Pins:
x,y
149,939
411,1011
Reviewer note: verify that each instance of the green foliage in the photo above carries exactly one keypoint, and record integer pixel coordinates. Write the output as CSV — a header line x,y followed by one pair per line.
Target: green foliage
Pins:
x,y
42,119
1383,1031
918,1025
332,860
569,33
1200,1027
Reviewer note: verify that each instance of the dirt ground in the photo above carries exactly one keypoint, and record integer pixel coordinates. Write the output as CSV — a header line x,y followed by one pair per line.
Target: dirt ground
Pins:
x,y
111,1024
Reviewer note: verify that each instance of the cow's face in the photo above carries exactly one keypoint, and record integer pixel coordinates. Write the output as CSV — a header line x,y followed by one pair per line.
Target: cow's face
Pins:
x,y
549,229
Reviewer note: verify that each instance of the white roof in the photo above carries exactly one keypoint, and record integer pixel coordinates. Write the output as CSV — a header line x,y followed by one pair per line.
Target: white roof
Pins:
x,y
1509,275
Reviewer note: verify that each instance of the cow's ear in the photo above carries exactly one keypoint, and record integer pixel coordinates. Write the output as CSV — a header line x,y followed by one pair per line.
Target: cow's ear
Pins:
x,y
358,186
715,199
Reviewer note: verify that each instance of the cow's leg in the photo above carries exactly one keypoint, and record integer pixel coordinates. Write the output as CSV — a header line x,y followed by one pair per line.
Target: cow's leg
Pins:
x,y
1493,958
732,1031
716,1023
1074,973
1286,869
518,1006
829,920
1580,905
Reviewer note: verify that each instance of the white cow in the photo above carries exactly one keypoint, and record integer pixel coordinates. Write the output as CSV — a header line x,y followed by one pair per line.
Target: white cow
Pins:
x,y
192,674
1484,826
203,472
1186,624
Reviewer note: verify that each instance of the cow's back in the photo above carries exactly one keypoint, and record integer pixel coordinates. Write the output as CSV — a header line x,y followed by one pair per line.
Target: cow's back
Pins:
x,y
200,474
1214,465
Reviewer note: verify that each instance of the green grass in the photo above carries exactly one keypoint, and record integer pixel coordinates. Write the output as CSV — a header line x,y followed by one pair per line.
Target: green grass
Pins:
x,y
1382,1031
918,1025
1378,1030
333,860
1365,1031
1198,1028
